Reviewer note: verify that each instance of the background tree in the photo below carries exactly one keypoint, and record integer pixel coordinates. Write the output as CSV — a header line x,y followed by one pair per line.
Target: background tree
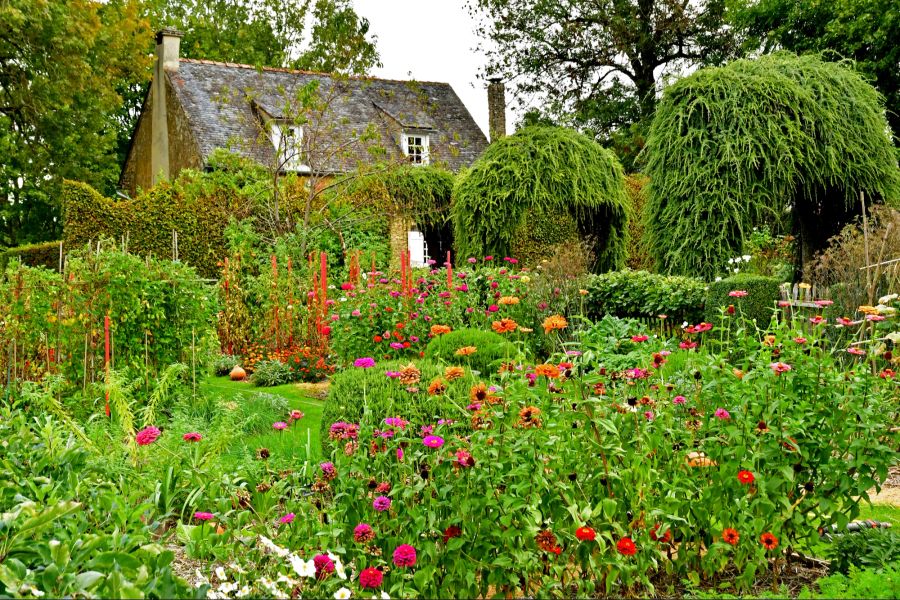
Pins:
x,y
784,139
866,31
598,62
59,61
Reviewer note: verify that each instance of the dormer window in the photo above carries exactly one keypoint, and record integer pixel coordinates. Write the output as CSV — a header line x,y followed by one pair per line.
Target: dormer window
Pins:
x,y
415,147
287,138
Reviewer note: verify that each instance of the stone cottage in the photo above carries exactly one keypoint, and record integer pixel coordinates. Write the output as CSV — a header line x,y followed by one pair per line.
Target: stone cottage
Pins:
x,y
194,107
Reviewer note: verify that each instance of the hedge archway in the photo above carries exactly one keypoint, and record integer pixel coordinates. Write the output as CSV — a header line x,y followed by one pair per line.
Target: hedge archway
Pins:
x,y
540,170
783,139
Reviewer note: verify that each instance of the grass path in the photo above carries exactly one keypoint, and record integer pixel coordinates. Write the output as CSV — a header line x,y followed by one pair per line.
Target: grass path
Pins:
x,y
290,445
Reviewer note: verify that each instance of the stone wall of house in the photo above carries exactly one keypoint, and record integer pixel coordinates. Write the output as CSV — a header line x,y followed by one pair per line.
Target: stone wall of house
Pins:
x,y
398,232
183,150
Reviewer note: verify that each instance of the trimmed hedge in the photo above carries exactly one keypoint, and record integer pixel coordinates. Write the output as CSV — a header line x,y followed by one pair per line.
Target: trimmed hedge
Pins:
x,y
43,254
354,390
758,304
639,255
641,294
492,349
198,206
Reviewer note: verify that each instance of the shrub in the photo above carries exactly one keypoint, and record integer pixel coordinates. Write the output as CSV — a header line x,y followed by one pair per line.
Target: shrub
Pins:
x,y
639,256
642,294
224,363
44,254
868,548
859,583
369,395
268,373
491,349
758,305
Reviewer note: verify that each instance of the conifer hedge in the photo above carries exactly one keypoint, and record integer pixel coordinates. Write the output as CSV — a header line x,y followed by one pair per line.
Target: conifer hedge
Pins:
x,y
536,171
421,193
778,139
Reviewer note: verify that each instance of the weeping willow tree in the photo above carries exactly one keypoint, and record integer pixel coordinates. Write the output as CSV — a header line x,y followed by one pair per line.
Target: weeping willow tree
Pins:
x,y
419,193
542,173
785,140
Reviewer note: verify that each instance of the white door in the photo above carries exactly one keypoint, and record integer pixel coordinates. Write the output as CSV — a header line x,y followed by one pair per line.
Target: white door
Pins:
x,y
416,245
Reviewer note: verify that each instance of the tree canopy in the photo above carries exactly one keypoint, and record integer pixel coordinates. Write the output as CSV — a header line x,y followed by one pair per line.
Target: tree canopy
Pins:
x,y
538,171
597,64
779,139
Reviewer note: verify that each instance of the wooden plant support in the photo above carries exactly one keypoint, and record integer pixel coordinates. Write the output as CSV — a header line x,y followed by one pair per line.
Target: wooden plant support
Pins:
x,y
106,356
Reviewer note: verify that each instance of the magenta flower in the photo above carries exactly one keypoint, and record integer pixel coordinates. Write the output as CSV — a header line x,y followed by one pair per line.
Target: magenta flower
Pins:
x,y
203,516
637,339
493,308
288,518
363,533
679,400
405,556
397,422
737,293
279,425
396,345
464,459
192,436
648,414
366,362
400,454
722,414
433,441
324,565
381,503
818,320
147,436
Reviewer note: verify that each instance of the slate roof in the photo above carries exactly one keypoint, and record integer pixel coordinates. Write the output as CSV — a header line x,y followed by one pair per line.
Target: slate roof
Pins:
x,y
225,102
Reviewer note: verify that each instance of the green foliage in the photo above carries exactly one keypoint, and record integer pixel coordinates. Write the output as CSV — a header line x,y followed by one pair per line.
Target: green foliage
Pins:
x,y
492,350
733,148
862,30
222,364
541,168
610,345
859,583
60,63
865,549
545,230
639,256
368,396
758,305
198,206
268,373
421,193
44,254
643,294
596,65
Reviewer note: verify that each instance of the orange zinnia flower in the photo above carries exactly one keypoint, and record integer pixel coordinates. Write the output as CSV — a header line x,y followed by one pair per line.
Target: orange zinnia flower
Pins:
x,y
730,536
547,370
508,300
437,330
452,373
437,387
769,541
554,322
466,351
504,325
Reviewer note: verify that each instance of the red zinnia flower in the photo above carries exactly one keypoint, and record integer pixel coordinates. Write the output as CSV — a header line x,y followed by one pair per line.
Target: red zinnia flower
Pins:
x,y
664,539
769,541
370,578
745,477
452,532
193,436
626,546
585,534
730,536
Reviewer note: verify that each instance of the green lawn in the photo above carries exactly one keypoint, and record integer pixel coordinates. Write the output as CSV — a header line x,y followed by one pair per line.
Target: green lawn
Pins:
x,y
297,443
880,512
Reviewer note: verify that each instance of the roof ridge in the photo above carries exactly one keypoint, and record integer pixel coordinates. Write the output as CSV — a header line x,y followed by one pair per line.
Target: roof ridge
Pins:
x,y
203,61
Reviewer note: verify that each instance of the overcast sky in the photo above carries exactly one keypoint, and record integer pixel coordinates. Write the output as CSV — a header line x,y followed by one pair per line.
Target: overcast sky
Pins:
x,y
431,40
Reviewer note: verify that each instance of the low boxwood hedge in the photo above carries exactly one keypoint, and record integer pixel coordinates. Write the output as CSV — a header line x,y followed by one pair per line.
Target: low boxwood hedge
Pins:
x,y
759,303
492,349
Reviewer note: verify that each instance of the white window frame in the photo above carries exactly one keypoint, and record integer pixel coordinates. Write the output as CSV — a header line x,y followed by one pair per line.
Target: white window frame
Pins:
x,y
426,147
281,140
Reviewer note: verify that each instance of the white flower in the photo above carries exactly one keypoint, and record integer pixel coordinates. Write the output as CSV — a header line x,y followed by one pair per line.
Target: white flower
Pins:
x,y
243,592
730,261
746,257
886,299
338,565
200,578
237,568
303,568
227,588
342,594
718,279
273,547
221,575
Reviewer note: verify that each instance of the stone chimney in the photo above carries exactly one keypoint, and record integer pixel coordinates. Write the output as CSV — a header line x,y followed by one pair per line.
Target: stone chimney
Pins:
x,y
496,108
168,42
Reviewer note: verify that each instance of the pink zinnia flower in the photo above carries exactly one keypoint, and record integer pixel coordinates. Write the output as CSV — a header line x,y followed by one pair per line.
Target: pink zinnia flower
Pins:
x,y
405,556
355,313
296,415
203,516
464,459
823,303
722,414
397,422
288,518
400,454
874,318
637,339
780,367
818,320
365,362
363,533
687,345
433,441
648,415
844,321
800,340
493,308
381,503
472,260
856,351
279,425
370,578
737,293
192,436
679,400
324,565
147,436
784,303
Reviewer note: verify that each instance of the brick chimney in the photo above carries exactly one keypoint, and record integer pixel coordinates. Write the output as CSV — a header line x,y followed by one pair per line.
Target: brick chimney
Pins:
x,y
168,42
496,108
